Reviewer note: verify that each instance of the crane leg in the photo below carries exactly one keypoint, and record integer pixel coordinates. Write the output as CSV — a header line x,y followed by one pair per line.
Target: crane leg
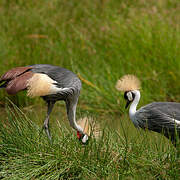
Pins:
x,y
46,122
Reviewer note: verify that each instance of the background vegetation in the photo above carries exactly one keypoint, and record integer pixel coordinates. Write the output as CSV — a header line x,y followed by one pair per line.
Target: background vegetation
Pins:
x,y
100,40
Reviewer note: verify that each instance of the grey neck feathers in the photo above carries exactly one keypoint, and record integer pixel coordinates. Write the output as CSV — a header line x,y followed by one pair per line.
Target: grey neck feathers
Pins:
x,y
71,113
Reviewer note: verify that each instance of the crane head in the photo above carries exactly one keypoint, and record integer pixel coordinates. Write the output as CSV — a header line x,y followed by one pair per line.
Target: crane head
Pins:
x,y
82,137
91,129
128,84
129,97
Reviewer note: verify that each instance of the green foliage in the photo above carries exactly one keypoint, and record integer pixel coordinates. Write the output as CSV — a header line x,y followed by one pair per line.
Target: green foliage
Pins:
x,y
100,40
26,153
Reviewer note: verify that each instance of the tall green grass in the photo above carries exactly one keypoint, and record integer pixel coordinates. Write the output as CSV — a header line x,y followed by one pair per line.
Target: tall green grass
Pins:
x,y
26,153
100,40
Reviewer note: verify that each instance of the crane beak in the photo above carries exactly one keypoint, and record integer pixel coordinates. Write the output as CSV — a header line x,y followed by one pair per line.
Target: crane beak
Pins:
x,y
127,104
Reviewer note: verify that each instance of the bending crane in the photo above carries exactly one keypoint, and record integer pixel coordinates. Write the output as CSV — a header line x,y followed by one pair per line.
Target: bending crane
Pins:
x,y
52,83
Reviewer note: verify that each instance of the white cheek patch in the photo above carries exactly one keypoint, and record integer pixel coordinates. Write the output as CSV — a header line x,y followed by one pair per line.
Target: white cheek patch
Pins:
x,y
85,138
129,95
42,85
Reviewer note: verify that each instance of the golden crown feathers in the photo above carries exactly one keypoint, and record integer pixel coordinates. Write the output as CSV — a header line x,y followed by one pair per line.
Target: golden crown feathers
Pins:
x,y
128,82
90,127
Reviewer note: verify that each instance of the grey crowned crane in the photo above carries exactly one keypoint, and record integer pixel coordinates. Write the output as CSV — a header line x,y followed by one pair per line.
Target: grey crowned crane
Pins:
x,y
161,117
52,83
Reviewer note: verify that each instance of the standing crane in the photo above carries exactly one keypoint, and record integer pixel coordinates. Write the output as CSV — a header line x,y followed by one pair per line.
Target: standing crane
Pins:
x,y
161,117
52,83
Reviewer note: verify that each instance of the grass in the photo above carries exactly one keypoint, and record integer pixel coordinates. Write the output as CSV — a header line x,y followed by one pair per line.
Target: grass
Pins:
x,y
100,41
27,154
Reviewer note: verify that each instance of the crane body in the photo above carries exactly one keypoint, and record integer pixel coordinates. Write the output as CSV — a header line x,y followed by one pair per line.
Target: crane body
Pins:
x,y
52,83
160,117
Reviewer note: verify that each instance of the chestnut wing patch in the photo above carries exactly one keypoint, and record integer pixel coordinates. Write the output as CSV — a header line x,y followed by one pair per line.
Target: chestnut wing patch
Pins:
x,y
37,84
13,73
19,83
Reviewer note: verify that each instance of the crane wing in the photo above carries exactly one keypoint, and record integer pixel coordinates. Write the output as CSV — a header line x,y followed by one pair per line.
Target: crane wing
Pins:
x,y
13,73
160,115
64,81
63,77
41,80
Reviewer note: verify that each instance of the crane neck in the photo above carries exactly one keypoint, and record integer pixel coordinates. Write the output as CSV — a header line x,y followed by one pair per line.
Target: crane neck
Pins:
x,y
71,113
133,106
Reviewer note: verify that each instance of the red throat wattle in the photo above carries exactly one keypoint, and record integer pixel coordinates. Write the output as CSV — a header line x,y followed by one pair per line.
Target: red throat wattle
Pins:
x,y
78,135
